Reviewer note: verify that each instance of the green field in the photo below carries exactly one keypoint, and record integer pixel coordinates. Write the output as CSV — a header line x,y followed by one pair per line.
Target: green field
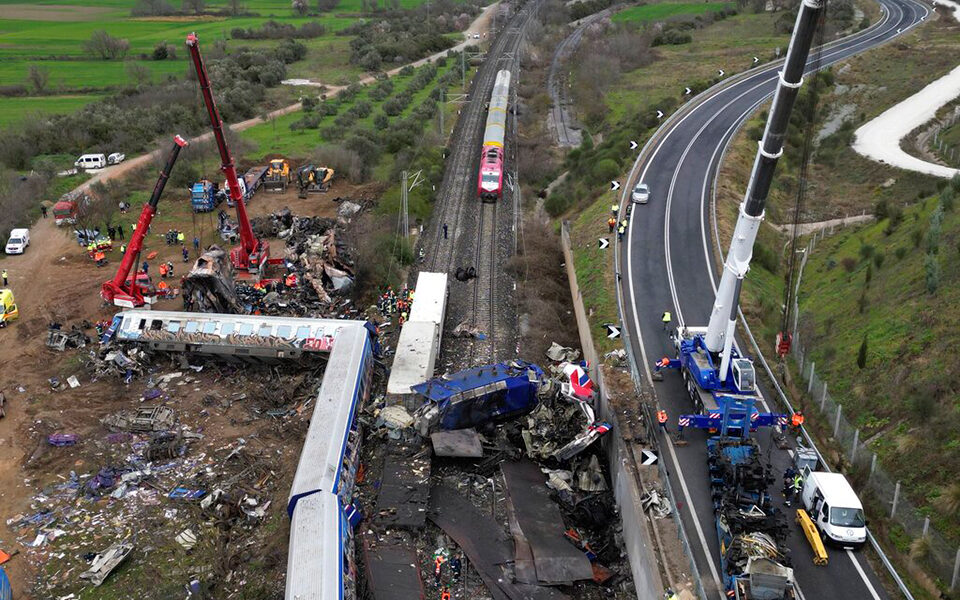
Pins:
x,y
13,110
660,12
51,35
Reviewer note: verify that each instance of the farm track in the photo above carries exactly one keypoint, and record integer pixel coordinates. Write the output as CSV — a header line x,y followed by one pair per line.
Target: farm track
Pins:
x,y
480,235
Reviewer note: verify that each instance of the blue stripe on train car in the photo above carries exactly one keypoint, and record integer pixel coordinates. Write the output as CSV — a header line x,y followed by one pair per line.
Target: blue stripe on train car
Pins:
x,y
6,592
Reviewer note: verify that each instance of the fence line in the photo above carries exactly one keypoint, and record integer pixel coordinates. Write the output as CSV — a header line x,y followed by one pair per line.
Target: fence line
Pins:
x,y
916,536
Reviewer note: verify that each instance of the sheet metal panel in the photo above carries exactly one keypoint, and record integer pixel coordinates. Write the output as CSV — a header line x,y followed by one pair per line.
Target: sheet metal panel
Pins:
x,y
430,298
415,358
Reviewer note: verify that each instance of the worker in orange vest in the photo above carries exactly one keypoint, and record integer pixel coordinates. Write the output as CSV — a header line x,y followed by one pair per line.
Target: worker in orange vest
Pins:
x,y
163,269
445,595
662,419
663,363
100,257
612,223
796,421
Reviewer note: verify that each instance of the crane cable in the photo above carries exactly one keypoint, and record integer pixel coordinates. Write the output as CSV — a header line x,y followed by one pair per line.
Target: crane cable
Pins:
x,y
812,107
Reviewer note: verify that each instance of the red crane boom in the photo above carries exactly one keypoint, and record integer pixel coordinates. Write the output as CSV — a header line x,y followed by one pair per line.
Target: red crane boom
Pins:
x,y
252,253
124,290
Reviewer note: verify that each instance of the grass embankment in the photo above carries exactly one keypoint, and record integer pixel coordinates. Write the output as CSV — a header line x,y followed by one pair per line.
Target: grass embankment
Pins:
x,y
659,12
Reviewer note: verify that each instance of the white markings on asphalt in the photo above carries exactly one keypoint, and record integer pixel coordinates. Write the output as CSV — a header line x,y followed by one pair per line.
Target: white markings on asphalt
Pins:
x,y
863,575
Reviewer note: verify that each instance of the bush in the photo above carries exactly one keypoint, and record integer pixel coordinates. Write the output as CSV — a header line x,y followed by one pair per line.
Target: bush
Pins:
x,y
362,109
558,202
881,210
272,30
13,90
932,269
900,253
606,170
308,121
862,353
406,71
766,257
895,214
381,121
866,251
671,37
878,259
947,199
344,161
160,51
309,103
103,45
917,236
849,264
152,8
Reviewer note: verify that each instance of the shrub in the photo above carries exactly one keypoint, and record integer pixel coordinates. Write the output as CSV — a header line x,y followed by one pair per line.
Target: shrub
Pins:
x,y
362,109
309,103
308,121
766,257
895,213
558,202
160,51
878,259
103,45
606,169
862,353
152,8
866,251
671,37
900,253
931,268
381,121
344,161
917,236
406,71
849,264
947,199
272,30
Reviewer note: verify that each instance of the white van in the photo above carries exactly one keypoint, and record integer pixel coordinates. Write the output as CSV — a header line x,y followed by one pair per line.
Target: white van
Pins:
x,y
91,161
835,508
18,242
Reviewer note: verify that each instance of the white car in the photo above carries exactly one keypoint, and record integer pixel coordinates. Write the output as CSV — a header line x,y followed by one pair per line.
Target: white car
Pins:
x,y
91,161
18,242
116,158
641,193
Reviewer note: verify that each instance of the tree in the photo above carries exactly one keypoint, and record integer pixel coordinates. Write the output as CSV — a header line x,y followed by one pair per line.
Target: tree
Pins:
x,y
160,51
932,268
862,354
103,45
140,74
236,7
196,6
300,7
38,76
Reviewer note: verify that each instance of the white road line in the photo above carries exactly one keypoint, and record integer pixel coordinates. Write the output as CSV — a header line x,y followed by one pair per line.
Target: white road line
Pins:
x,y
670,445
863,575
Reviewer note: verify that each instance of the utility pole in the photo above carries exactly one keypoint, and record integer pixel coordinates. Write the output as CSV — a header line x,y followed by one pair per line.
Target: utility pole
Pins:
x,y
404,214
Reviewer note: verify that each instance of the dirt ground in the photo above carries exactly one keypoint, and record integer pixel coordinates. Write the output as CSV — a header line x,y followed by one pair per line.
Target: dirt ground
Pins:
x,y
56,281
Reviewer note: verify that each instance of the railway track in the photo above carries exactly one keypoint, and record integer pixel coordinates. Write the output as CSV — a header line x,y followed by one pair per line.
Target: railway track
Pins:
x,y
476,230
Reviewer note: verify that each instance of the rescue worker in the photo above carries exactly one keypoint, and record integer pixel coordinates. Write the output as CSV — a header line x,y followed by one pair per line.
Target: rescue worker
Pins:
x,y
99,328
119,232
437,570
162,288
100,257
169,269
163,270
181,238
615,208
123,248
669,594
445,595
455,566
444,231
793,488
796,421
612,224
624,222
146,268
662,419
196,244
620,231
663,363
4,275
43,210
666,318
403,317
291,280
186,254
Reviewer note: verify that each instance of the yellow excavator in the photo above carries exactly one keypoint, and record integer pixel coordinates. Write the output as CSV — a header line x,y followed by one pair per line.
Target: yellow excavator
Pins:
x,y
312,179
278,176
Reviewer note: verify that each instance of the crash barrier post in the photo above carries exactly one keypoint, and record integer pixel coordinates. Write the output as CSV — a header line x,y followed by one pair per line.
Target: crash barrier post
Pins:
x,y
636,536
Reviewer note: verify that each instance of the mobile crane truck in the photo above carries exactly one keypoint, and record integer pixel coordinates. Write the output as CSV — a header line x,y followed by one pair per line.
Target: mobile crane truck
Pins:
x,y
133,291
252,254
722,383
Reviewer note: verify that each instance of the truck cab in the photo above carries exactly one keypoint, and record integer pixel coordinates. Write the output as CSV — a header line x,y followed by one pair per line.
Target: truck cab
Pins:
x,y
835,509
18,242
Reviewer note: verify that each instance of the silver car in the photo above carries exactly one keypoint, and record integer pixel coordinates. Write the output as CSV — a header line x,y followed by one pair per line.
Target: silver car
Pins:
x,y
641,193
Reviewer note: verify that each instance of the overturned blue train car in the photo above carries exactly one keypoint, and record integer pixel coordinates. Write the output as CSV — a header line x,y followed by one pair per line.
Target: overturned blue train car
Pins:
x,y
479,395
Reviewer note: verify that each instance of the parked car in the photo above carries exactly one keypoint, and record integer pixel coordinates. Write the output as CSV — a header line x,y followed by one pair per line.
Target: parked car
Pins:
x,y
91,161
18,242
116,158
641,193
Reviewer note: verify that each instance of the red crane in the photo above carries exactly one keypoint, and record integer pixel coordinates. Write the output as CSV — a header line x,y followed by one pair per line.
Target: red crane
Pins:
x,y
124,290
252,253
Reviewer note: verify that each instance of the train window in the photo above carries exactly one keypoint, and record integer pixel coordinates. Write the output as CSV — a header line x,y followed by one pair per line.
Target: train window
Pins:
x,y
283,331
227,328
173,326
245,329
265,330
191,327
143,323
156,325
303,332
210,327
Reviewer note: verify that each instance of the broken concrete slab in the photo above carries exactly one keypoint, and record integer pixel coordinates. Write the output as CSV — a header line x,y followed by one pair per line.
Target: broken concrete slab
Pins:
x,y
392,571
404,490
105,562
461,443
555,559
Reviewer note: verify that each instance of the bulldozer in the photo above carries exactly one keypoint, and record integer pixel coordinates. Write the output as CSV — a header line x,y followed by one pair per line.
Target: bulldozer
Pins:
x,y
278,176
312,179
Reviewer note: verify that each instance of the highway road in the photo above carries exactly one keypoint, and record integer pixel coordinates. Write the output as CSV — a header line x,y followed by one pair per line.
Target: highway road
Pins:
x,y
666,264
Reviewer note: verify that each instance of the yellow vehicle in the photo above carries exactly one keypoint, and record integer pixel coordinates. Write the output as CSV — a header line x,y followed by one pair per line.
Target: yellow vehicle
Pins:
x,y
9,307
313,179
278,175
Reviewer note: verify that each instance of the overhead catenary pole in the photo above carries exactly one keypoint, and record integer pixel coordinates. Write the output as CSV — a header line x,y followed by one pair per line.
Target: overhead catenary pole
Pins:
x,y
720,332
